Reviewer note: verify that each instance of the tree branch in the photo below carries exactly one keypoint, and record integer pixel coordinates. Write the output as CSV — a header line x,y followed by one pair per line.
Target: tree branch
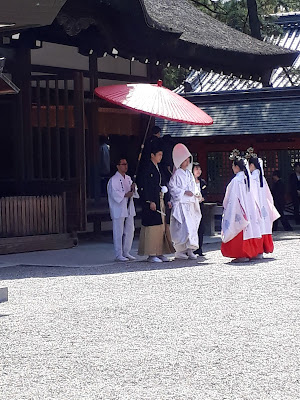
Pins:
x,y
197,3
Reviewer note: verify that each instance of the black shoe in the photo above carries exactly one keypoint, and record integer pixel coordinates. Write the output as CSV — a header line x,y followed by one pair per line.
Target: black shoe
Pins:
x,y
199,252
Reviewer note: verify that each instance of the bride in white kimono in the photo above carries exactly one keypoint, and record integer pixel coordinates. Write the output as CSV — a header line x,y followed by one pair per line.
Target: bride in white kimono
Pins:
x,y
186,214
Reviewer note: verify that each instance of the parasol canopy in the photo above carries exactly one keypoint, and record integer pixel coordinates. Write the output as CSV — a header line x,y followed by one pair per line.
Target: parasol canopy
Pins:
x,y
154,100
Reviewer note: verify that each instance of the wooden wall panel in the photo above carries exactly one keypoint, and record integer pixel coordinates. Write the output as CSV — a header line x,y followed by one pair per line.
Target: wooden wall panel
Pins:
x,y
32,215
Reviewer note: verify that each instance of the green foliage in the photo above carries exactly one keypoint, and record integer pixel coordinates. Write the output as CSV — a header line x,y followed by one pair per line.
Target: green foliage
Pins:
x,y
235,12
173,77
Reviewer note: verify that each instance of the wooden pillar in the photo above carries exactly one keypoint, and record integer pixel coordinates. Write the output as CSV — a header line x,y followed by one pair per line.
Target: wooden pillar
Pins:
x,y
21,74
80,147
93,73
266,78
93,152
154,73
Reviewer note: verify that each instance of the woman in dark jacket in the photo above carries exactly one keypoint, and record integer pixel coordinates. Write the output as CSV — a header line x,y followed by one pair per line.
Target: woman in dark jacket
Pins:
x,y
155,239
202,188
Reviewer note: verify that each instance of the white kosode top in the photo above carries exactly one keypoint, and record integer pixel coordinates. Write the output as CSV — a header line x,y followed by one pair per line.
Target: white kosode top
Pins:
x,y
180,182
117,187
264,200
240,211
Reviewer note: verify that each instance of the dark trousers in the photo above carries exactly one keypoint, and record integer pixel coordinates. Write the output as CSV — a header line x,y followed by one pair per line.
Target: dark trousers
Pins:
x,y
296,202
200,235
285,223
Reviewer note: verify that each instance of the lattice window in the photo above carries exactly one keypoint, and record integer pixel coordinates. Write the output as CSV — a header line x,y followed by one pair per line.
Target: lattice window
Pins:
x,y
294,156
283,160
271,162
219,171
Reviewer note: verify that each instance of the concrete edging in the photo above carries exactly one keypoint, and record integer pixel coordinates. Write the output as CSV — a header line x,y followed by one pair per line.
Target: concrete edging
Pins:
x,y
3,294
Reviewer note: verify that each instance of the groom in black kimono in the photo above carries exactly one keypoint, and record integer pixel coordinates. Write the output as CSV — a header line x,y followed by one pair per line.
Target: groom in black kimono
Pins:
x,y
155,238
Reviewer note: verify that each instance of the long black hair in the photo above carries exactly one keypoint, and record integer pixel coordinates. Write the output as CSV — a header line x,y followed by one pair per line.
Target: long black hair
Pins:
x,y
256,163
240,162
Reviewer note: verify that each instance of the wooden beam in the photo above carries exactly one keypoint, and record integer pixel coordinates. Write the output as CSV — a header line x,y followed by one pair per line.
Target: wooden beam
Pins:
x,y
36,243
101,75
123,77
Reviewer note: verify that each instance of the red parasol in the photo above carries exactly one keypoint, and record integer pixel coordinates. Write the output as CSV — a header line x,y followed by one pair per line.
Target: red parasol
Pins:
x,y
154,100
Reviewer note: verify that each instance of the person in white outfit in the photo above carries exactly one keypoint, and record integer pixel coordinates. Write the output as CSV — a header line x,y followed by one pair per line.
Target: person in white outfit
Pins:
x,y
264,200
120,191
186,214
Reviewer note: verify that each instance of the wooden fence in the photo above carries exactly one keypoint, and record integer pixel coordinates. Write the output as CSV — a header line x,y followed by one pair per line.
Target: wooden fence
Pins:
x,y
32,215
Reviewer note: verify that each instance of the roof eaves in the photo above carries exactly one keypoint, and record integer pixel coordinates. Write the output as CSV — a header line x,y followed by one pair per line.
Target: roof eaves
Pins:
x,y
243,95
152,23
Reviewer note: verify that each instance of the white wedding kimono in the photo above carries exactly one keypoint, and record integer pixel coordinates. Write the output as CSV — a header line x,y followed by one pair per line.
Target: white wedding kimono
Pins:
x,y
186,214
241,212
264,199
121,213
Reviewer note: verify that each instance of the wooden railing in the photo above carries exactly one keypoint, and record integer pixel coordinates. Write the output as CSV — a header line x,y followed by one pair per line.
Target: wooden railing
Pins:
x,y
32,215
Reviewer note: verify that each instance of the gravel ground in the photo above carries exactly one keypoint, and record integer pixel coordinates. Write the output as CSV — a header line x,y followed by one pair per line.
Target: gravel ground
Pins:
x,y
184,330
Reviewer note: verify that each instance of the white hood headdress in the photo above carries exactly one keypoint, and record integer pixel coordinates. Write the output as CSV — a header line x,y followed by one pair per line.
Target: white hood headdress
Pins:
x,y
180,154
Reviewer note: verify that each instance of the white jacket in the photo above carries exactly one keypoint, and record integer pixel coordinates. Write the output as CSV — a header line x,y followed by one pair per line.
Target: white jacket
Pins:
x,y
241,212
117,187
265,202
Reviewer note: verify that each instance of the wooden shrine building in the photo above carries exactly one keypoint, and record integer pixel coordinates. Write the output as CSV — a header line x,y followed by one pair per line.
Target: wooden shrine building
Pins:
x,y
266,119
246,114
50,130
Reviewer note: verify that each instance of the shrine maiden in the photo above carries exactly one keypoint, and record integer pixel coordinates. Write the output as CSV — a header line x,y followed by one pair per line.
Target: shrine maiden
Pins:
x,y
263,199
241,234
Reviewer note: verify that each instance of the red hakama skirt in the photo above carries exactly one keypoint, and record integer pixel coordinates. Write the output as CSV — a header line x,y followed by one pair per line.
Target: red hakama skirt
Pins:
x,y
268,243
239,248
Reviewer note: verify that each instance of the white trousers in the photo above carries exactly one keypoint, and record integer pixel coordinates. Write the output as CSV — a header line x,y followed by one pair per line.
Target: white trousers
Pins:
x,y
123,232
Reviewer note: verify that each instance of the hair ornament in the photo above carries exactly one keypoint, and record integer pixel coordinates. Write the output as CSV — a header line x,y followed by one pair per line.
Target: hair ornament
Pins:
x,y
235,155
250,153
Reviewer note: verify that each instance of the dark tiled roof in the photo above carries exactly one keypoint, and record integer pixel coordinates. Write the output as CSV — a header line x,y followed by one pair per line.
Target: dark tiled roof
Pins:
x,y
199,28
254,112
205,81
163,31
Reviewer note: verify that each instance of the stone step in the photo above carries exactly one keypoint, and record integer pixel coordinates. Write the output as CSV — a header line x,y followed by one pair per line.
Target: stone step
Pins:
x,y
3,294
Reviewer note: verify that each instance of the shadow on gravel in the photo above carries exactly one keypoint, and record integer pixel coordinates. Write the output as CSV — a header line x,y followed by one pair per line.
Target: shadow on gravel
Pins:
x,y
251,262
285,235
4,315
36,271
278,239
262,261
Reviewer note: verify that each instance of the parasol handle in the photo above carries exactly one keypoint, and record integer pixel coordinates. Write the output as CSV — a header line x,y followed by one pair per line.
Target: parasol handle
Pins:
x,y
141,150
139,157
